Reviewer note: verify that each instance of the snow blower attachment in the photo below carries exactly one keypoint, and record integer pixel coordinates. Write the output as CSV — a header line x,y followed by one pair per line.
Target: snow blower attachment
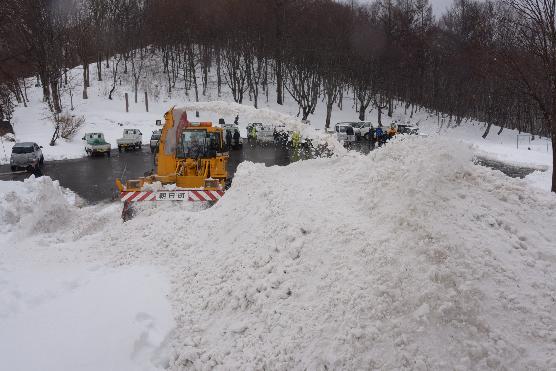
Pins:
x,y
191,156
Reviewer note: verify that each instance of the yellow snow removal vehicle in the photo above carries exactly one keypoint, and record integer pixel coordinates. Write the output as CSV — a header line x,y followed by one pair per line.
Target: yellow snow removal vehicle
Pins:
x,y
191,159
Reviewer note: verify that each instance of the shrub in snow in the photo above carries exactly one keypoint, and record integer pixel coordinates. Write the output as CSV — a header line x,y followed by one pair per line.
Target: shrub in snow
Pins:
x,y
68,125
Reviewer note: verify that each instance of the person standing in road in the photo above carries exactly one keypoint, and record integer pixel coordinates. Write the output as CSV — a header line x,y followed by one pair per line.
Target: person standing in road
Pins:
x,y
35,168
379,134
350,133
229,139
254,134
236,138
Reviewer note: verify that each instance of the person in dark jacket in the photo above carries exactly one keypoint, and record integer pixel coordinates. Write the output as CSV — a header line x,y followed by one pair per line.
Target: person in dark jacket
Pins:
x,y
229,139
236,138
379,135
35,168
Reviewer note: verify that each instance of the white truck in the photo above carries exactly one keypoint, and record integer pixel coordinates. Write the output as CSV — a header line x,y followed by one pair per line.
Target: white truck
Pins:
x,y
361,130
266,132
132,139
95,144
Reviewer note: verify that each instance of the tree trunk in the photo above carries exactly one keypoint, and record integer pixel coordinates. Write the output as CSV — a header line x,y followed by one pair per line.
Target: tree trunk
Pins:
x,y
553,189
99,69
45,87
379,115
85,96
87,77
279,83
329,105
487,130
136,84
390,107
55,96
218,73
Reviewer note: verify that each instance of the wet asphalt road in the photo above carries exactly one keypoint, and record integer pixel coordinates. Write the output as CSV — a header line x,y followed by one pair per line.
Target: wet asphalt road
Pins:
x,y
92,178
508,169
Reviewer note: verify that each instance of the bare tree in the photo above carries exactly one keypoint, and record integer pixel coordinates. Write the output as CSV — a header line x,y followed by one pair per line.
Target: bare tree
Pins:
x,y
236,74
303,85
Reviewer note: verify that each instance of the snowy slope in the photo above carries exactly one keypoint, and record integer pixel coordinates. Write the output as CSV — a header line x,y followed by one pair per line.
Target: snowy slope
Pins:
x,y
409,258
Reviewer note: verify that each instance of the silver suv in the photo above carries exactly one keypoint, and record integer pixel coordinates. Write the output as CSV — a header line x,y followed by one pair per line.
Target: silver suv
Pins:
x,y
25,154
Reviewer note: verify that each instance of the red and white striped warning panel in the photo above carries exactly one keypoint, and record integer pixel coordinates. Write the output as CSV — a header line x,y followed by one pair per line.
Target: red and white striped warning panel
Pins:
x,y
177,195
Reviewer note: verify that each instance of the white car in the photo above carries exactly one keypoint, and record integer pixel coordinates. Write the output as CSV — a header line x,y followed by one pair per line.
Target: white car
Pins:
x,y
25,154
132,139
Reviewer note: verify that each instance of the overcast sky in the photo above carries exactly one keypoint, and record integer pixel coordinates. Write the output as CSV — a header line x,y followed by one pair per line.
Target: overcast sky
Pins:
x,y
438,6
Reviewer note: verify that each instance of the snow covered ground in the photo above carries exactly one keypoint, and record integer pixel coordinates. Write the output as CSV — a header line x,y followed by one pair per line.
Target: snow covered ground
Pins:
x,y
109,116
409,258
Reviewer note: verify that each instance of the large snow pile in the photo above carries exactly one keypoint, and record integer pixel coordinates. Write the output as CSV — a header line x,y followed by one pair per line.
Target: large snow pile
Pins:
x,y
38,205
409,258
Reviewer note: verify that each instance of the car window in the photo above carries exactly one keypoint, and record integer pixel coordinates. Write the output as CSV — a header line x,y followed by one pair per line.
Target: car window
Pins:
x,y
20,150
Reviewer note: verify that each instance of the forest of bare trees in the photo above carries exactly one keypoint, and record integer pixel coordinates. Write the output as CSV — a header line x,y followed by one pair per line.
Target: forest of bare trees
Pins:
x,y
493,60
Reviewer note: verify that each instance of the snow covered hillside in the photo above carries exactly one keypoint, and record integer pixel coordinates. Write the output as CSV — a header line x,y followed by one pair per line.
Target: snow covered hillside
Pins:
x,y
409,258
109,116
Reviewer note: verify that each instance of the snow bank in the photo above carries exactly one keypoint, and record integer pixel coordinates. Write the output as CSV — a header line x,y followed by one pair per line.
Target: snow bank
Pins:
x,y
37,205
540,179
409,258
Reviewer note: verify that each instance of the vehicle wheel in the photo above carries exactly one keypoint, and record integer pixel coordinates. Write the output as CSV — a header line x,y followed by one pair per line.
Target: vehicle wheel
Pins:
x,y
14,168
368,137
108,153
119,148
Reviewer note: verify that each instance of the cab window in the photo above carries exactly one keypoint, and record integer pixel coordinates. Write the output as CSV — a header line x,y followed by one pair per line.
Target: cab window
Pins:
x,y
199,143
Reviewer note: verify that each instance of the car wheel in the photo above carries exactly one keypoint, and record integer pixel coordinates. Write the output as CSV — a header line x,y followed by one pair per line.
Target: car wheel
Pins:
x,y
14,168
119,148
108,153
